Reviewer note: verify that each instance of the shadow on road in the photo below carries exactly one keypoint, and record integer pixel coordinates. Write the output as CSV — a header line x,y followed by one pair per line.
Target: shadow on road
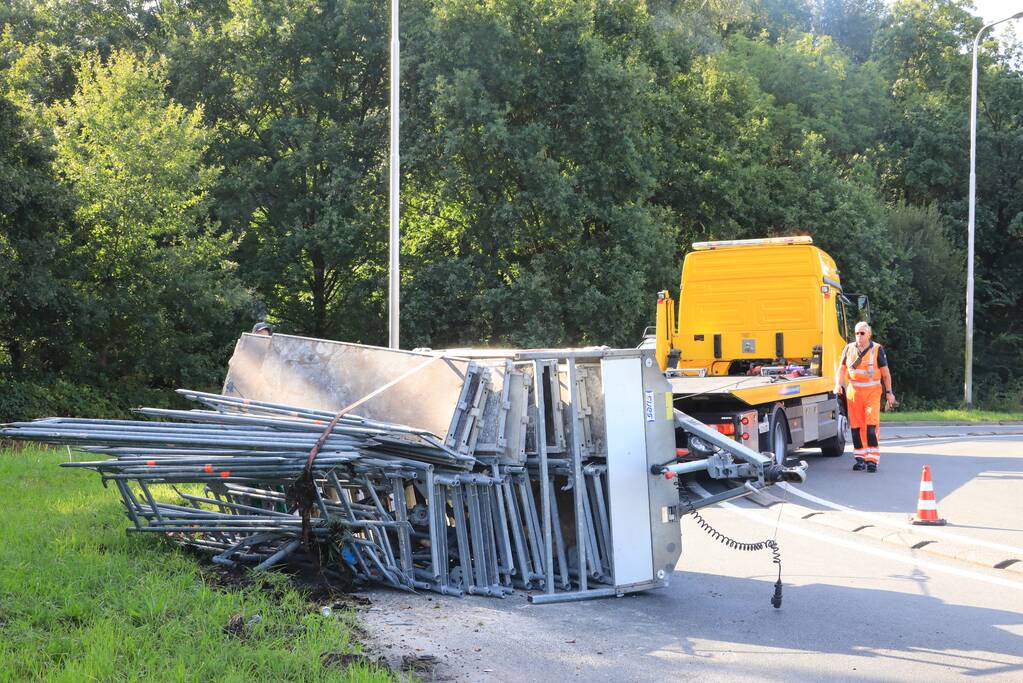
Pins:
x,y
707,624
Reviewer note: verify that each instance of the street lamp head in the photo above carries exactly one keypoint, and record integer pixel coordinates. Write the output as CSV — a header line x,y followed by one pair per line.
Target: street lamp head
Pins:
x,y
1017,15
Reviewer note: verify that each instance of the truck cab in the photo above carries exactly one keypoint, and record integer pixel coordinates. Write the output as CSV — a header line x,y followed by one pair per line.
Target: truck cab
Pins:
x,y
755,343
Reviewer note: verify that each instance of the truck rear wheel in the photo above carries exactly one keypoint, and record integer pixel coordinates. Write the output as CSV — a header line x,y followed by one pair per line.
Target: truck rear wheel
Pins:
x,y
779,438
835,446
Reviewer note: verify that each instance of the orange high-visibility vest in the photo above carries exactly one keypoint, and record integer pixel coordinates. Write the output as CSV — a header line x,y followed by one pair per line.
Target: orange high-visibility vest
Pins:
x,y
867,374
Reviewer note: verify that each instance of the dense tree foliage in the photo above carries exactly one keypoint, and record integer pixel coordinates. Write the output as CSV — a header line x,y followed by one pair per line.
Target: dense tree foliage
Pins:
x,y
36,298
155,282
298,91
115,269
171,171
532,221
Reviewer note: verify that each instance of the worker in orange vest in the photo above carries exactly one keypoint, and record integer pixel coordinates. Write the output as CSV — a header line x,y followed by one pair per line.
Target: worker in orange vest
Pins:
x,y
864,364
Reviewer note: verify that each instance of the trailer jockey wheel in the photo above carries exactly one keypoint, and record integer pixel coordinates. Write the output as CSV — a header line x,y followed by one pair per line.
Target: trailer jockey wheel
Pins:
x,y
779,438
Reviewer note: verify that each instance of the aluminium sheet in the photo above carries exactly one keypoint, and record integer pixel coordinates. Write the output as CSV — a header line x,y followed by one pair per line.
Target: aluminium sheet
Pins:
x,y
429,392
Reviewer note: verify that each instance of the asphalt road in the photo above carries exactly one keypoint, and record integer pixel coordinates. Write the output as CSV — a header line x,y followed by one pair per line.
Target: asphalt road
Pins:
x,y
856,606
977,482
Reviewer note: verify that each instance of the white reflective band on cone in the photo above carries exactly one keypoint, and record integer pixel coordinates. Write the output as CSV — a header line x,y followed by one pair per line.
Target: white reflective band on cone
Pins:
x,y
927,505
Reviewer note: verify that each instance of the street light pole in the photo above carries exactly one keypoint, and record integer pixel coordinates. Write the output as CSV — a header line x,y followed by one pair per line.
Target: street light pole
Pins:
x,y
968,380
394,279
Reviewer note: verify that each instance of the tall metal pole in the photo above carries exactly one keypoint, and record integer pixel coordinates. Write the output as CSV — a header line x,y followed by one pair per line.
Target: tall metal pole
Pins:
x,y
968,377
394,282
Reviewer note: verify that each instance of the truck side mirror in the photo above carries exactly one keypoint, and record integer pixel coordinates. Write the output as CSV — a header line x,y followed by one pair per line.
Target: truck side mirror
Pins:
x,y
864,303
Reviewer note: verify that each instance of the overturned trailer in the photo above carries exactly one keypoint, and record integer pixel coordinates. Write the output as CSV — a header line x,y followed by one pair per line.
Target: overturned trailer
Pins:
x,y
578,449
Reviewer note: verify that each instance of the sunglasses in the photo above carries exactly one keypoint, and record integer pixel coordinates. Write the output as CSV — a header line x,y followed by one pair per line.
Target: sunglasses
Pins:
x,y
858,334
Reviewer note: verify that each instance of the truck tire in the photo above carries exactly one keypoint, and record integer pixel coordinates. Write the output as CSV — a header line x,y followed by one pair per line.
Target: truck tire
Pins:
x,y
835,446
779,441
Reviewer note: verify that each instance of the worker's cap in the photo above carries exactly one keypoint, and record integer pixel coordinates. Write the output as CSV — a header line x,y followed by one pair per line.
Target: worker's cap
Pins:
x,y
259,327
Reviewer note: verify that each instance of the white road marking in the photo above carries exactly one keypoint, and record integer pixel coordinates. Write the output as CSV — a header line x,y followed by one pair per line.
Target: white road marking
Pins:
x,y
916,441
868,550
922,530
975,425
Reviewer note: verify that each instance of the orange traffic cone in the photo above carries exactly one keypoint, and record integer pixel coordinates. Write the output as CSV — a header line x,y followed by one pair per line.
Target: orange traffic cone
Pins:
x,y
927,507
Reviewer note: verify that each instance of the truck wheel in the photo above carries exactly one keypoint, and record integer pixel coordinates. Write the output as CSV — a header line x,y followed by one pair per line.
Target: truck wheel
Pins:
x,y
779,438
835,446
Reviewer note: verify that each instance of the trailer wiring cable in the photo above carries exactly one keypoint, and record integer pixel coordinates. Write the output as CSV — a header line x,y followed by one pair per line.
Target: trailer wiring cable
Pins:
x,y
766,544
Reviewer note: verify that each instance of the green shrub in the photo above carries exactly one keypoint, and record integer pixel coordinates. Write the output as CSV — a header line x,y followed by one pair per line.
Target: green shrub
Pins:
x,y
29,399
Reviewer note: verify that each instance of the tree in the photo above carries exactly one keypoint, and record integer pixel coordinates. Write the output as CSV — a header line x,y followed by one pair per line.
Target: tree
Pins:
x,y
926,333
532,181
924,49
827,92
299,92
852,23
36,298
42,42
160,301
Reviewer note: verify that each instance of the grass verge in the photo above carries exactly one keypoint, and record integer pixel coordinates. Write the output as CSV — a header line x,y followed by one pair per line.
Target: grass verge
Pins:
x,y
81,600
951,415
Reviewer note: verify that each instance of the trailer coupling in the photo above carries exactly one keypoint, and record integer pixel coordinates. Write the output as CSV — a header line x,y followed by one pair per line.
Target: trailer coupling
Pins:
x,y
725,458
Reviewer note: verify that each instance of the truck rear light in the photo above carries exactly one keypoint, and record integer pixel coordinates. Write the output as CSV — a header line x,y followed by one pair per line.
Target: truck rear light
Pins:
x,y
728,429
747,418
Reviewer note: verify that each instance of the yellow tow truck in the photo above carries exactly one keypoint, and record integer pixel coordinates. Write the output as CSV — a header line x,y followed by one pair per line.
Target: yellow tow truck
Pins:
x,y
754,348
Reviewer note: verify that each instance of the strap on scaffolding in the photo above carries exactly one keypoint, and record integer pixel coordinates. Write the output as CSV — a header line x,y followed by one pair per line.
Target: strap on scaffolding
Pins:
x,y
305,489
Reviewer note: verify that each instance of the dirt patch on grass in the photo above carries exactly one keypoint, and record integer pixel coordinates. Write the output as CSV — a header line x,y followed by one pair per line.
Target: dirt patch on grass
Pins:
x,y
318,585
327,592
418,666
343,660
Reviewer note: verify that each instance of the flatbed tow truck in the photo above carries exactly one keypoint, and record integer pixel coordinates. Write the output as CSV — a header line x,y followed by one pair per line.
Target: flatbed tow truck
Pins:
x,y
754,347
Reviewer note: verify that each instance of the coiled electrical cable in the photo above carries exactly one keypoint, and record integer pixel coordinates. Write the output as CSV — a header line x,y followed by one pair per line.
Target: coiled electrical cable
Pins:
x,y
766,544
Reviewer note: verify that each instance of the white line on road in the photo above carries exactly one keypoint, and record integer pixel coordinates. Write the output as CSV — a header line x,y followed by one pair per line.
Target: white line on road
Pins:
x,y
868,550
922,530
917,440
979,425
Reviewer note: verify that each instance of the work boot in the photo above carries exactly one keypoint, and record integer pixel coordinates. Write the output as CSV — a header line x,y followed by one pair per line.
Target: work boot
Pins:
x,y
872,467
860,465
